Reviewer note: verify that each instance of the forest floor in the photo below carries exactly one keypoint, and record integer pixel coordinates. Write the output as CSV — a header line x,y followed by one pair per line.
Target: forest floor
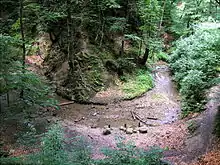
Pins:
x,y
185,140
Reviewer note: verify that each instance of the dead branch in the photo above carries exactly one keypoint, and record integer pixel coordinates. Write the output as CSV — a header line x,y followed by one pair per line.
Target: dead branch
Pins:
x,y
152,118
132,113
66,103
141,120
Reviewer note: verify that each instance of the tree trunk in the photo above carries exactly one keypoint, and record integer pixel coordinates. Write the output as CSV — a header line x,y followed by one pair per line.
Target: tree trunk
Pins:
x,y
69,33
145,57
23,43
122,47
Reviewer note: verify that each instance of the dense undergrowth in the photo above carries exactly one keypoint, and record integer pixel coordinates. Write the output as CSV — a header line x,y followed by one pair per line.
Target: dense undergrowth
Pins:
x,y
195,63
56,149
31,90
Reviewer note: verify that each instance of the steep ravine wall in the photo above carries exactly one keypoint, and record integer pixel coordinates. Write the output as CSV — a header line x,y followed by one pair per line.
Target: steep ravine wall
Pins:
x,y
85,76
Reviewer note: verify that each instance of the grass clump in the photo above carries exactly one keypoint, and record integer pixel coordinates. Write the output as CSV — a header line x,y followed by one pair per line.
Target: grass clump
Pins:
x,y
137,84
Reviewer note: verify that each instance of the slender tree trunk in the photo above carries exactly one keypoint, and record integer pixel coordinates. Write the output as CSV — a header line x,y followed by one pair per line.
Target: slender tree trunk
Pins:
x,y
126,20
69,49
122,47
140,48
161,19
23,42
145,57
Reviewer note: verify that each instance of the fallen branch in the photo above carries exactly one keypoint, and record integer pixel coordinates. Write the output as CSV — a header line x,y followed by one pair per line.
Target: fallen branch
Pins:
x,y
141,120
152,118
132,113
91,103
83,103
90,136
66,103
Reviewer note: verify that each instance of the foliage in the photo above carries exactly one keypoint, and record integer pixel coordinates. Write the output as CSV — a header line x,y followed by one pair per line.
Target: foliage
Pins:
x,y
13,77
194,63
56,150
120,65
137,84
150,15
186,14
128,154
154,57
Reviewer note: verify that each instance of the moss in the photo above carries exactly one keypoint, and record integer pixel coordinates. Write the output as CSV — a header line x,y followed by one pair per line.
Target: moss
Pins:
x,y
137,84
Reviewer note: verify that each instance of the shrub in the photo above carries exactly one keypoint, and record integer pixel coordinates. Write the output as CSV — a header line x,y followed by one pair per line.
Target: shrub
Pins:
x,y
14,77
128,154
56,149
194,63
137,84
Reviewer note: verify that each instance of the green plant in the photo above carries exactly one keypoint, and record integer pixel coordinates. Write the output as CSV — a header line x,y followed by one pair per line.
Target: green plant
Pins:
x,y
14,77
57,149
158,56
162,56
129,154
137,84
194,63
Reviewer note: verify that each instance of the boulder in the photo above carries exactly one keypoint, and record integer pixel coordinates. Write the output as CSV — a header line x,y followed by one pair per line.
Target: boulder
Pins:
x,y
107,131
143,129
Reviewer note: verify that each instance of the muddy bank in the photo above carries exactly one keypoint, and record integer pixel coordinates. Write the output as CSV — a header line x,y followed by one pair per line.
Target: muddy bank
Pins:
x,y
162,103
159,107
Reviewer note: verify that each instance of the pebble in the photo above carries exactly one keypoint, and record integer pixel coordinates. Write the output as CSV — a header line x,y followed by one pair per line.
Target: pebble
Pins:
x,y
94,114
122,128
143,129
129,130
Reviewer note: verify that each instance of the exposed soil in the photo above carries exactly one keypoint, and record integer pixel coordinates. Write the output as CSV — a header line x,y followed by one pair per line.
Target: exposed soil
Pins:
x,y
161,103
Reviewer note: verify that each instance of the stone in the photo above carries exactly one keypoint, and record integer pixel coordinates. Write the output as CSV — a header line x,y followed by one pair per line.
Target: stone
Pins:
x,y
94,126
33,116
129,130
122,128
54,114
107,126
143,129
48,120
94,114
135,131
107,131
